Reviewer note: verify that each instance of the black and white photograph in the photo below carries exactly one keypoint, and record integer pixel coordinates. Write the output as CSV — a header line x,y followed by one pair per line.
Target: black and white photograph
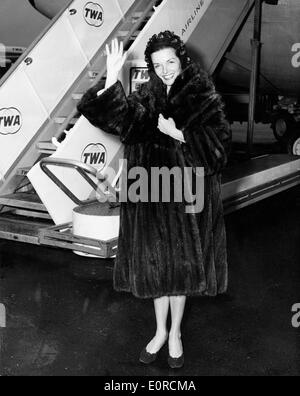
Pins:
x,y
150,191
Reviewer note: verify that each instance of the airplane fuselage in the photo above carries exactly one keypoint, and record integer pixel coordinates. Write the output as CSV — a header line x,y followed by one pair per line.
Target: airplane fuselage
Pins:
x,y
280,60
280,54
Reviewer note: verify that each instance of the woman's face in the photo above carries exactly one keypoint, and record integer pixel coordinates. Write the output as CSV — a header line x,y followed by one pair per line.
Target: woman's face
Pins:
x,y
167,65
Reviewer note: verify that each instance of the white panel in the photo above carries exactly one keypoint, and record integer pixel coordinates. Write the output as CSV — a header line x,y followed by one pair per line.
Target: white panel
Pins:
x,y
94,21
102,228
57,62
21,116
83,135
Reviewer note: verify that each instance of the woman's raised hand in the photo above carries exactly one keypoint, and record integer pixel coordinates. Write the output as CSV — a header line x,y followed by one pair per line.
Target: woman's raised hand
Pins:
x,y
115,61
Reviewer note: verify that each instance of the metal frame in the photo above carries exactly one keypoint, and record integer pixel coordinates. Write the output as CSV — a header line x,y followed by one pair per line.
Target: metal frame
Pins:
x,y
62,236
256,45
251,196
85,171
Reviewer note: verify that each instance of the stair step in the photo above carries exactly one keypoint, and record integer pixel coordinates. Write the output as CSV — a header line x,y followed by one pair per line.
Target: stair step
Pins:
x,y
135,34
23,171
122,33
46,152
93,74
137,14
77,96
32,214
61,120
46,146
23,201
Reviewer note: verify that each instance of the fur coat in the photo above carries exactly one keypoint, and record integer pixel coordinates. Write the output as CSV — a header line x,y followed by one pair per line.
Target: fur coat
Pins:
x,y
163,251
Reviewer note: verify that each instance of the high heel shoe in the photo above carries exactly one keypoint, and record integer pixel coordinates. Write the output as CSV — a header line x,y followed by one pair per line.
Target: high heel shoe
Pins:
x,y
176,363
147,357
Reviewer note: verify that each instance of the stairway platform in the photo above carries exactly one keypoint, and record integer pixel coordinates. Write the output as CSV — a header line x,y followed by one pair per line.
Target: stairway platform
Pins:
x,y
258,179
14,229
23,201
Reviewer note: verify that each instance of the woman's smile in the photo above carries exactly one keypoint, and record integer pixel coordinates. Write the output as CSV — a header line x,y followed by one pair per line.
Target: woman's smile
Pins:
x,y
169,76
167,65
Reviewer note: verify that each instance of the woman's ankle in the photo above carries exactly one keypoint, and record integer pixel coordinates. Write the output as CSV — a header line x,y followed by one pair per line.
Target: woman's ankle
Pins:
x,y
175,335
162,333
157,343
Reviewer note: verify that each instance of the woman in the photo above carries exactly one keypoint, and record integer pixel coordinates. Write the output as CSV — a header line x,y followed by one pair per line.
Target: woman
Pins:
x,y
174,120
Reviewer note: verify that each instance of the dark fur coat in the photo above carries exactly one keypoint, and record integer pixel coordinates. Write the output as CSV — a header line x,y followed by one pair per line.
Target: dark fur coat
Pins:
x,y
163,251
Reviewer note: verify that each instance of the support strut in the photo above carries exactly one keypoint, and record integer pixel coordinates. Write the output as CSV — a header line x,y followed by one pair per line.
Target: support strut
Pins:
x,y
256,52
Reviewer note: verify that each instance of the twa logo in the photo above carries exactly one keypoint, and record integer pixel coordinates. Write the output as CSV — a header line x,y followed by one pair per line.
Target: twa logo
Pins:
x,y
10,121
95,155
138,76
93,14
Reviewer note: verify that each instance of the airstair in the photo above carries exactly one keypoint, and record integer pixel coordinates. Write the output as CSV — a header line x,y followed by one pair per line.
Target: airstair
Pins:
x,y
50,157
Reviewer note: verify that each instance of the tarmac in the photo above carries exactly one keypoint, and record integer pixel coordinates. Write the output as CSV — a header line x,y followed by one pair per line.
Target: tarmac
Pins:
x,y
65,319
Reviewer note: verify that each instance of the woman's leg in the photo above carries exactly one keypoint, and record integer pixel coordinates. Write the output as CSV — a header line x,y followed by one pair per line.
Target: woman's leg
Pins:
x,y
161,306
177,310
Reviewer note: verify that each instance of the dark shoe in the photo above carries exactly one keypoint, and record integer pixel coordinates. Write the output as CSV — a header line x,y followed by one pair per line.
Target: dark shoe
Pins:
x,y
146,357
176,363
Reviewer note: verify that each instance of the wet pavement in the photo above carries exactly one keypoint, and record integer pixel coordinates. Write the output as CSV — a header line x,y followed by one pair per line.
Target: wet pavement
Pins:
x,y
63,319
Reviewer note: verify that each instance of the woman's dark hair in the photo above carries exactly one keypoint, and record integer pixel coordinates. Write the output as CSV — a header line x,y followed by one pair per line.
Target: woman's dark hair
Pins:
x,y
163,40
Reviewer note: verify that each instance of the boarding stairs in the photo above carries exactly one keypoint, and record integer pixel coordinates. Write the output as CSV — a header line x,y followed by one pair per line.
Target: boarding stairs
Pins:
x,y
38,99
50,79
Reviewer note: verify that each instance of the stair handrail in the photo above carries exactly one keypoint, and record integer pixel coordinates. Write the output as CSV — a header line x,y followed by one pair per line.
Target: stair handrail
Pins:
x,y
84,170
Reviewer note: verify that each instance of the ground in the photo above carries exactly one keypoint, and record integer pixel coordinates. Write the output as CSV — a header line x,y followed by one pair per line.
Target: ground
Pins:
x,y
62,319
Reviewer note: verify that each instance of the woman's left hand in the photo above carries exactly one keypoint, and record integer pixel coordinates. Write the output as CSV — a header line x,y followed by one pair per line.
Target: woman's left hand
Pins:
x,y
168,127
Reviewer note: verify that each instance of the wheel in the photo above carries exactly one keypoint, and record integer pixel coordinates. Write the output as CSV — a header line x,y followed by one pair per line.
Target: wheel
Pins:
x,y
282,125
293,143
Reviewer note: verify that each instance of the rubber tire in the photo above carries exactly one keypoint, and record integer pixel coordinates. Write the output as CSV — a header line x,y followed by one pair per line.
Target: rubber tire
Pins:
x,y
293,139
284,118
